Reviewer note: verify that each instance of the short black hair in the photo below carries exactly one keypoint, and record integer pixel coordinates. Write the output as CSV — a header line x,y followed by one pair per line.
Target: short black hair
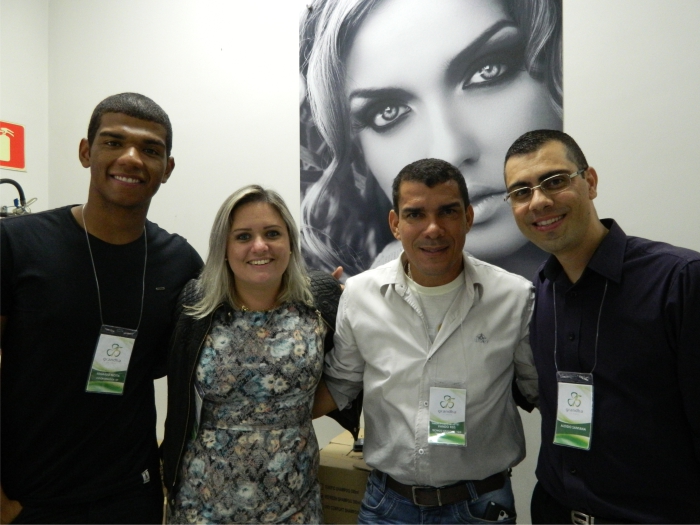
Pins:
x,y
134,105
532,141
429,172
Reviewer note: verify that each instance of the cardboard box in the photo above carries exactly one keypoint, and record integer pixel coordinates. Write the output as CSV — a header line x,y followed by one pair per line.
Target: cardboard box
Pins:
x,y
343,477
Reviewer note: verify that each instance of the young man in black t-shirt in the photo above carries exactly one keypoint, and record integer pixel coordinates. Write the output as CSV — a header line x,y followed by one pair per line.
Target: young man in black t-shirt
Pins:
x,y
78,437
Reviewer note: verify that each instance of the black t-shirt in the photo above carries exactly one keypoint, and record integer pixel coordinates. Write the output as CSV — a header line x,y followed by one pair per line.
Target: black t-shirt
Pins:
x,y
59,443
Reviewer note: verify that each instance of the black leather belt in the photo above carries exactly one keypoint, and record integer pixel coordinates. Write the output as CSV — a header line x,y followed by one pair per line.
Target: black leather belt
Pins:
x,y
435,497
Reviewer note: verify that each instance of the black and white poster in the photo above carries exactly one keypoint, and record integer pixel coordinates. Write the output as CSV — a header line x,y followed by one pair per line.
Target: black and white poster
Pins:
x,y
388,82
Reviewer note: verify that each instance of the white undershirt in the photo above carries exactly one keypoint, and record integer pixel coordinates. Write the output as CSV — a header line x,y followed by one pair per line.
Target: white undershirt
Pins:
x,y
435,301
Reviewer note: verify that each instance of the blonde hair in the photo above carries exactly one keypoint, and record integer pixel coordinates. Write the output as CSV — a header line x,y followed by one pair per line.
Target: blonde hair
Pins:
x,y
216,283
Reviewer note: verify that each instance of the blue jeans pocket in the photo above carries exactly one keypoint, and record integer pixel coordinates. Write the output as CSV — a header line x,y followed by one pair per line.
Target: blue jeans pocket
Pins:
x,y
497,506
375,503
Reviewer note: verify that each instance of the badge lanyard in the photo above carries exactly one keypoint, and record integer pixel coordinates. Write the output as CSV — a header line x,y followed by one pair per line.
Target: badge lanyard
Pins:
x,y
574,424
114,344
447,406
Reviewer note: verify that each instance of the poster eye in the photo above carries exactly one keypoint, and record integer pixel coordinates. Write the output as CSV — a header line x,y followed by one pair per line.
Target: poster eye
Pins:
x,y
389,115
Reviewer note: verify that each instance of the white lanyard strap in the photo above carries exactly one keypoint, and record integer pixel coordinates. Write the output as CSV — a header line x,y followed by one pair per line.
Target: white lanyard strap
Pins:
x,y
94,271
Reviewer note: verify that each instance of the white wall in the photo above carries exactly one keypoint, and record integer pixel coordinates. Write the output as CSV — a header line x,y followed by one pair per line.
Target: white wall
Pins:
x,y
24,94
631,91
226,72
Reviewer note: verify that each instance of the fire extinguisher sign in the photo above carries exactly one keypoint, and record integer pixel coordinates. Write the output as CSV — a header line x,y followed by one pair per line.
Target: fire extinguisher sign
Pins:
x,y
11,146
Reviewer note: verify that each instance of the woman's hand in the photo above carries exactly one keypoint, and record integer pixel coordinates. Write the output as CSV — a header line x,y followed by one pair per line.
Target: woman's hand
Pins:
x,y
10,508
338,273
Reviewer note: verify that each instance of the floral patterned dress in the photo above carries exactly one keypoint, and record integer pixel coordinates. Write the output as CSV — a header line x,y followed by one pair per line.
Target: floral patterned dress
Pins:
x,y
255,456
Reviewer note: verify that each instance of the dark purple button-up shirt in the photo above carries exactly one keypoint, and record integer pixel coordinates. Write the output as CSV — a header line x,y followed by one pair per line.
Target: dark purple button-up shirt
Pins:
x,y
644,460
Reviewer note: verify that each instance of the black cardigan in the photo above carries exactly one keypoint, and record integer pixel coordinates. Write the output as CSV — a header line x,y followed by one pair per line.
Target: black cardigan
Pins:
x,y
183,356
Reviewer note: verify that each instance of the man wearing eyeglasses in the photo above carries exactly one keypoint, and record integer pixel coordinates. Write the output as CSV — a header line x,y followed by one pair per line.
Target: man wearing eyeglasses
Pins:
x,y
616,341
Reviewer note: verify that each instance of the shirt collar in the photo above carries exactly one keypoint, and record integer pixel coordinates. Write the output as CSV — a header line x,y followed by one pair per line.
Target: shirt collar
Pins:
x,y
606,261
398,277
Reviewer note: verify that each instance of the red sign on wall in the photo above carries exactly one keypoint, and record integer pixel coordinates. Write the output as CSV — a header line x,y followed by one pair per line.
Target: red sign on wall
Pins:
x,y
11,146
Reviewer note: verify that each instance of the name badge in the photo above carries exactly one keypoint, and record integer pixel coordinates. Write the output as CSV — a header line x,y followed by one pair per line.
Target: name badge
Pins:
x,y
574,410
447,416
111,361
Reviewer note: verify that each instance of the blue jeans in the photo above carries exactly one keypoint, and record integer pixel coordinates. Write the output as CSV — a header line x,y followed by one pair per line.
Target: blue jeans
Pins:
x,y
383,505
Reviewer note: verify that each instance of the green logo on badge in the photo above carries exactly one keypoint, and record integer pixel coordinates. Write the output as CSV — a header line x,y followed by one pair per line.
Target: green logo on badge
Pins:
x,y
575,400
449,402
115,351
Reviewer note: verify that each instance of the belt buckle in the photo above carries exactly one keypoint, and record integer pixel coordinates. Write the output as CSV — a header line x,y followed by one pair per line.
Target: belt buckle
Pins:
x,y
415,501
581,518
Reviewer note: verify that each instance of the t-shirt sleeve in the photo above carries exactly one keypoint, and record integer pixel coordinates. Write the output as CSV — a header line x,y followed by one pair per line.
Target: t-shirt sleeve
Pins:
x,y
6,271
197,262
191,264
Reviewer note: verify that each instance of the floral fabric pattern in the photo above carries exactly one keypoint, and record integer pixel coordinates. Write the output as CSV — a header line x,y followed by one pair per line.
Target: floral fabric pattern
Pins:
x,y
255,456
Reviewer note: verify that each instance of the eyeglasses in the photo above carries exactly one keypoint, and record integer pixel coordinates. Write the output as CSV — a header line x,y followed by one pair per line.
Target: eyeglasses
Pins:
x,y
549,186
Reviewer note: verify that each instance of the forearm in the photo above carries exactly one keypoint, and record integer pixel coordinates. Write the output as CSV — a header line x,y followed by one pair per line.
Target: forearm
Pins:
x,y
323,401
524,361
526,373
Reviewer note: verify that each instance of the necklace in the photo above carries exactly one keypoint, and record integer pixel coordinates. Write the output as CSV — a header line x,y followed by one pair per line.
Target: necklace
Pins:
x,y
244,308
255,336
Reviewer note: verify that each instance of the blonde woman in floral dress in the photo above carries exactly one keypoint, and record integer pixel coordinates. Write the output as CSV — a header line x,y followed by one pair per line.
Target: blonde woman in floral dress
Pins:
x,y
243,366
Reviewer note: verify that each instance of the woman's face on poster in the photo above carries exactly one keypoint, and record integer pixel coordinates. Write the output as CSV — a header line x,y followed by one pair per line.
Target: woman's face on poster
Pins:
x,y
446,79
